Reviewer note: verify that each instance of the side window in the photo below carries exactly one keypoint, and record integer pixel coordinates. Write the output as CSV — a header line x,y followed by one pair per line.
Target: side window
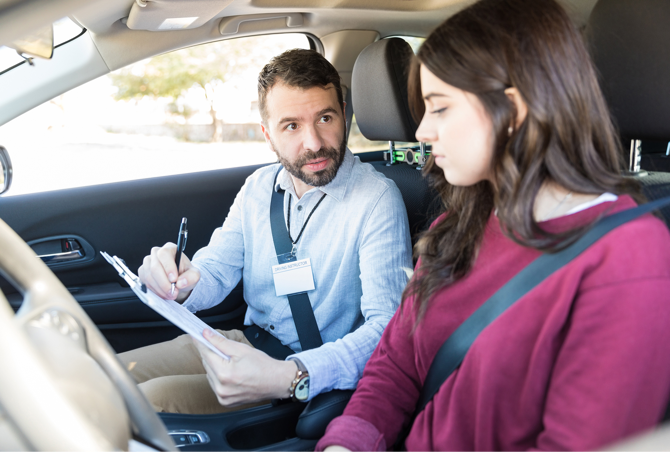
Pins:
x,y
357,142
190,110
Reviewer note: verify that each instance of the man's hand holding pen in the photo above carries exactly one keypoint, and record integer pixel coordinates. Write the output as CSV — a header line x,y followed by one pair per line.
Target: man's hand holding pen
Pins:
x,y
159,271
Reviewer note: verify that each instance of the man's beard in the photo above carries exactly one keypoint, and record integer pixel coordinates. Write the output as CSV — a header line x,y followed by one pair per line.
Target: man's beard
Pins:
x,y
319,178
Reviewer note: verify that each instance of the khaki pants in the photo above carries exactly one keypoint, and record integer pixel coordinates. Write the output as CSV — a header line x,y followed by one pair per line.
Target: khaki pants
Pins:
x,y
171,376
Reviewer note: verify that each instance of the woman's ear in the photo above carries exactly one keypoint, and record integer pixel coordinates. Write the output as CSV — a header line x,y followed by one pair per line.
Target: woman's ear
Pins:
x,y
521,108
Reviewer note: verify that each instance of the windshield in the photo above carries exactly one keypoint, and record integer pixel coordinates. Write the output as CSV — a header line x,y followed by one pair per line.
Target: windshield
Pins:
x,y
64,30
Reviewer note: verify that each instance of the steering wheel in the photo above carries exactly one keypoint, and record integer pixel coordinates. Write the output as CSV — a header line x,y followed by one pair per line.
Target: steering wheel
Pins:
x,y
61,385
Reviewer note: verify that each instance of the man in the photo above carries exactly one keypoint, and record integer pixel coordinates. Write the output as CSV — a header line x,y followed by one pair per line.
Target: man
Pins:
x,y
347,218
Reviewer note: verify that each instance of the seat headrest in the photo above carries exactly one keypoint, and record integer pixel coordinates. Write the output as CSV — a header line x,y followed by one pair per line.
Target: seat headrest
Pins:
x,y
628,41
379,91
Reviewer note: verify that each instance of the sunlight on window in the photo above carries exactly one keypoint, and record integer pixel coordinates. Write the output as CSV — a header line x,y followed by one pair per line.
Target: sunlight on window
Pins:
x,y
190,110
8,58
413,42
64,30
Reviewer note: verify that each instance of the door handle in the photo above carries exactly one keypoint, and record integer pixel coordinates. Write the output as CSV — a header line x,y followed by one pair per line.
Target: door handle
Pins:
x,y
66,256
63,250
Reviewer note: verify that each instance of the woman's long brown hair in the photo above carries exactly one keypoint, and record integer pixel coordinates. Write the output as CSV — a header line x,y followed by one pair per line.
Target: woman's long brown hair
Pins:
x,y
567,136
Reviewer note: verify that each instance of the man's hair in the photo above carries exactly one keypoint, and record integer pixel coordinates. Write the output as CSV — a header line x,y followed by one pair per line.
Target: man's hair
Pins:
x,y
297,68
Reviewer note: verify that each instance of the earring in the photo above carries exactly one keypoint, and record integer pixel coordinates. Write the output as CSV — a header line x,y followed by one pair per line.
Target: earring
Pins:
x,y
509,131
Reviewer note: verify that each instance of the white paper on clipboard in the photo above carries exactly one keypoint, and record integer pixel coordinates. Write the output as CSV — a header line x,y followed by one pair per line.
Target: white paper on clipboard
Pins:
x,y
171,310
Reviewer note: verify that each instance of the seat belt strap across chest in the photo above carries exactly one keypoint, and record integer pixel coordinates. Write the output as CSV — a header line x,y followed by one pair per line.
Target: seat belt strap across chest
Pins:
x,y
452,352
301,308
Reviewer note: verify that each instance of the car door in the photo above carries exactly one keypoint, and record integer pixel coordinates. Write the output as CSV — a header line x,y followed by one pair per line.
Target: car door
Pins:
x,y
124,219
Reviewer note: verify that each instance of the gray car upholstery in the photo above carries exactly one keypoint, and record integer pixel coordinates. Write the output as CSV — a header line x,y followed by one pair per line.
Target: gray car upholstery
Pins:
x,y
379,90
628,42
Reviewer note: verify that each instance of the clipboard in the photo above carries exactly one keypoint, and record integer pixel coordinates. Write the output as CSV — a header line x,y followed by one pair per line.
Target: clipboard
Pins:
x,y
170,309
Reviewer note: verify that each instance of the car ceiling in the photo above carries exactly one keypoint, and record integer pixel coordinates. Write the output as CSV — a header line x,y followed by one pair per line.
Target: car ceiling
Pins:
x,y
119,45
388,17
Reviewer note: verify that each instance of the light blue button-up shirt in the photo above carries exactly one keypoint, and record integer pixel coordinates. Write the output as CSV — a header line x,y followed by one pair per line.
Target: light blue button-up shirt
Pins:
x,y
358,243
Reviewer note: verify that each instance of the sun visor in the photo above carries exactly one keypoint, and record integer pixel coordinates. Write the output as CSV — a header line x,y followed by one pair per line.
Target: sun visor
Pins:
x,y
164,15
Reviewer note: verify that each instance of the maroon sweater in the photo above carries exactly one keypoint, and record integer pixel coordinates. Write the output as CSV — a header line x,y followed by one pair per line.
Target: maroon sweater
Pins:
x,y
577,363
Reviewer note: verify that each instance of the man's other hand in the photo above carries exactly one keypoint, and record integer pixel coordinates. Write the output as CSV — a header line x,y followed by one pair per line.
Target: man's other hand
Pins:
x,y
159,271
249,376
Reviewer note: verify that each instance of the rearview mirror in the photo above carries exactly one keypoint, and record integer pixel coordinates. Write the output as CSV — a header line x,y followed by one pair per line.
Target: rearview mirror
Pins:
x,y
5,170
39,44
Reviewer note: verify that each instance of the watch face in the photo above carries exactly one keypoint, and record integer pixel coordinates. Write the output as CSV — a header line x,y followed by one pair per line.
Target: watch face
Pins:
x,y
302,389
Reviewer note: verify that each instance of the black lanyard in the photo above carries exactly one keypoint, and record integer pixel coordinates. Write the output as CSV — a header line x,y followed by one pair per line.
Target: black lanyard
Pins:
x,y
288,219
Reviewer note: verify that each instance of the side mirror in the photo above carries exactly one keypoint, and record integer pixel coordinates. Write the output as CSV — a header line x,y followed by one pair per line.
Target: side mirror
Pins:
x,y
5,170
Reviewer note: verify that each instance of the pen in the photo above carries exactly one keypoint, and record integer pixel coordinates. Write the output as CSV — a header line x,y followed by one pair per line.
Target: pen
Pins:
x,y
181,245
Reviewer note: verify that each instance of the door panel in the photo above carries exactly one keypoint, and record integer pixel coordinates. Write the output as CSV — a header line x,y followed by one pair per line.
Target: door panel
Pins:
x,y
126,219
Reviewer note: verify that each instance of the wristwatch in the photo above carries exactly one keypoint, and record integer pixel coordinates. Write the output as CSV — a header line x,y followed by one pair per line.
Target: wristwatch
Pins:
x,y
300,385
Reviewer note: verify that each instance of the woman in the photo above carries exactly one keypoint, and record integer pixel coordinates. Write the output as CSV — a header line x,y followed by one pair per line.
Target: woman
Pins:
x,y
525,159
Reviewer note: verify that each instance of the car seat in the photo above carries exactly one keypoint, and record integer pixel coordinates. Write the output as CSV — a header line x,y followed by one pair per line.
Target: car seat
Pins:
x,y
628,44
381,106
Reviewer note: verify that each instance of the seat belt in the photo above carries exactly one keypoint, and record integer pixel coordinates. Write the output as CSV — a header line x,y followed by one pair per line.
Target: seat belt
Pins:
x,y
301,308
453,350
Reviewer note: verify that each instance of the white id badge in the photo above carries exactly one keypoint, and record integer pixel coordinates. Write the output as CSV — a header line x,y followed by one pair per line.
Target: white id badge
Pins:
x,y
293,277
